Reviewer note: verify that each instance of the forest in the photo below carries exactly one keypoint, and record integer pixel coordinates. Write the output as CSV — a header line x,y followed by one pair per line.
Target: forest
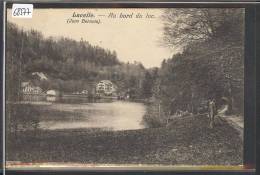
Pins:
x,y
69,65
208,65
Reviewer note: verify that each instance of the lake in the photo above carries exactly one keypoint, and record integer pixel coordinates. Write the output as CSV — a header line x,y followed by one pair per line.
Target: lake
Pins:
x,y
76,112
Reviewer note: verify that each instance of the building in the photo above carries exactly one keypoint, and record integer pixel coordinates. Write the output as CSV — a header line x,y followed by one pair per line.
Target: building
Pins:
x,y
106,87
29,88
52,93
85,92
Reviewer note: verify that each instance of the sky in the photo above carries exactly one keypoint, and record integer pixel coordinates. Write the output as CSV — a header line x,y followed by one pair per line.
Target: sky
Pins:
x,y
134,39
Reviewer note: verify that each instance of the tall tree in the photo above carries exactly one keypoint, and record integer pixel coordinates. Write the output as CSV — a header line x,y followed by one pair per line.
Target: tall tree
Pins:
x,y
211,62
185,26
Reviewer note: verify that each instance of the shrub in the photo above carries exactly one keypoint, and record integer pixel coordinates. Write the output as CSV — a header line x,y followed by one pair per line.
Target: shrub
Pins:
x,y
152,121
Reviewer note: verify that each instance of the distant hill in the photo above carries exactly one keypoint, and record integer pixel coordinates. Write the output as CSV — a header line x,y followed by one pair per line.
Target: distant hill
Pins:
x,y
65,64
62,58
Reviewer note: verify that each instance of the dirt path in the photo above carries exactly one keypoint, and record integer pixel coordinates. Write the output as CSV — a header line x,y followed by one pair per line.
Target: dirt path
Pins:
x,y
235,121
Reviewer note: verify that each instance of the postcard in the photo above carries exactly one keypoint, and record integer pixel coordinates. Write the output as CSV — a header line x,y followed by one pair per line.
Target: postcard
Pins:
x,y
125,87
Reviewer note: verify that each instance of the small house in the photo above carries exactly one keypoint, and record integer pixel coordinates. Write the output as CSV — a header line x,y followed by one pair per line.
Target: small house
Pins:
x,y
84,92
106,87
29,88
52,93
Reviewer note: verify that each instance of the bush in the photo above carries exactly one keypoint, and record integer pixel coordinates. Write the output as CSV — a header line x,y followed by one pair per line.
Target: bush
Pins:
x,y
152,121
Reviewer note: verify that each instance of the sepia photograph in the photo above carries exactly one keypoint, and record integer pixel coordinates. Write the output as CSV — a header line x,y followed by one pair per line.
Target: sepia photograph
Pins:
x,y
93,87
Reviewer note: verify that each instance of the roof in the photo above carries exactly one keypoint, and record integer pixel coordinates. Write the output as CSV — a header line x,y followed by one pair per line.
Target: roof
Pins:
x,y
51,92
106,81
41,75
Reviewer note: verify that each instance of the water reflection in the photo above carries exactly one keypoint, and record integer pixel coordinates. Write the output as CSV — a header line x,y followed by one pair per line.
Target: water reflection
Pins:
x,y
74,113
65,99
32,98
51,98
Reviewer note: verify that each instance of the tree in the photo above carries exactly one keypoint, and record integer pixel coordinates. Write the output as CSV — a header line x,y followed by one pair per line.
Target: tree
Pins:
x,y
185,26
147,85
211,63
66,62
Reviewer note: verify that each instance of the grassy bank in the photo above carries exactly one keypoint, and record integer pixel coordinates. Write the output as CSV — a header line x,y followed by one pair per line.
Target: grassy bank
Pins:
x,y
185,141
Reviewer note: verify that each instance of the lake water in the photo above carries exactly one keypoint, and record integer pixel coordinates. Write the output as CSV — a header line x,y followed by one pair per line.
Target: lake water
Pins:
x,y
78,113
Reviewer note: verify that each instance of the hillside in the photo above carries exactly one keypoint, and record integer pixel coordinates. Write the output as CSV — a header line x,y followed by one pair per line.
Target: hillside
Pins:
x,y
69,64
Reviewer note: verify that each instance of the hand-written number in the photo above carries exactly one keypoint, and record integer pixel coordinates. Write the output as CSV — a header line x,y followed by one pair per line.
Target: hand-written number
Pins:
x,y
21,12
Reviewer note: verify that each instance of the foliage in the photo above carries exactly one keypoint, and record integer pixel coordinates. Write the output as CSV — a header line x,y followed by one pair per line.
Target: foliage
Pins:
x,y
69,65
189,25
211,64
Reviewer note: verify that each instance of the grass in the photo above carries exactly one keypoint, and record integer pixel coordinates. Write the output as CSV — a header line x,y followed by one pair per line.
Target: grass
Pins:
x,y
186,140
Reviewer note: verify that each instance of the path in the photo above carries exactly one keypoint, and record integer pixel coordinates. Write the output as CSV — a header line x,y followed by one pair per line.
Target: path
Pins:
x,y
235,121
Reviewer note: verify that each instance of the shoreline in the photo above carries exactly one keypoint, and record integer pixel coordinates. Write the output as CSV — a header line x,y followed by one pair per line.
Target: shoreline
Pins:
x,y
186,140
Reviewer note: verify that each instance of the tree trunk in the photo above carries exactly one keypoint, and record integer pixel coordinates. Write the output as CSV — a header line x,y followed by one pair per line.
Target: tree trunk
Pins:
x,y
230,100
230,106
